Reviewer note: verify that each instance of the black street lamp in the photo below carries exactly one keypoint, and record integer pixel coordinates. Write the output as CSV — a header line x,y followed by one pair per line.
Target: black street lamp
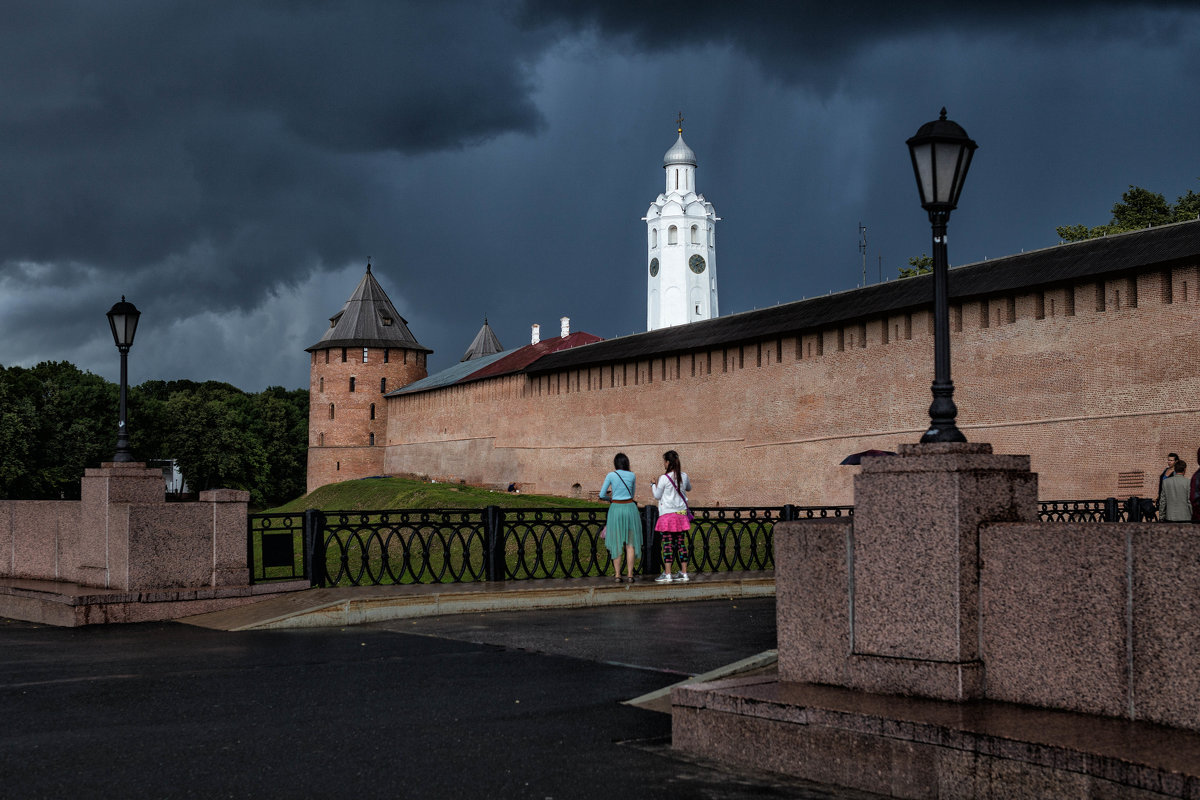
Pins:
x,y
941,153
123,320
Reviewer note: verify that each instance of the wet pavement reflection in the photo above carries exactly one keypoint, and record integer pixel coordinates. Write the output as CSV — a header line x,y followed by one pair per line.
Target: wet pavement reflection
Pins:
x,y
512,705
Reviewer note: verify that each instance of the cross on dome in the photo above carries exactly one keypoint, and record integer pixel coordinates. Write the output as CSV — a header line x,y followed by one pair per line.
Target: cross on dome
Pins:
x,y
680,153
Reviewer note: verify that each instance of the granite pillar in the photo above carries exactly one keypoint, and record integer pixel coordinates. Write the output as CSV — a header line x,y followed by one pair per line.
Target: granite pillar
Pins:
x,y
915,564
105,492
229,507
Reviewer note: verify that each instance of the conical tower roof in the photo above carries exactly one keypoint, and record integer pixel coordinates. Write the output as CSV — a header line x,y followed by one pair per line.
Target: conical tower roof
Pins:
x,y
484,344
368,320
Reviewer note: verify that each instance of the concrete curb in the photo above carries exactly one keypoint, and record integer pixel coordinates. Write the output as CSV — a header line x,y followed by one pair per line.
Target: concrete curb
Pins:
x,y
68,605
357,606
660,700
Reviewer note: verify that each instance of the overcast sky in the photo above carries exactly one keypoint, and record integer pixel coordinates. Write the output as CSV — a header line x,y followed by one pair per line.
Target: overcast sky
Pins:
x,y
230,166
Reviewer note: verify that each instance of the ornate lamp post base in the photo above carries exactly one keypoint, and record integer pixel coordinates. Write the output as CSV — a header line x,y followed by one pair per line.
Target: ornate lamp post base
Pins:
x,y
942,415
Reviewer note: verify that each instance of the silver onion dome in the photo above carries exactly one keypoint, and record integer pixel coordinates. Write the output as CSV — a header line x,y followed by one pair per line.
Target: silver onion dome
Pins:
x,y
680,153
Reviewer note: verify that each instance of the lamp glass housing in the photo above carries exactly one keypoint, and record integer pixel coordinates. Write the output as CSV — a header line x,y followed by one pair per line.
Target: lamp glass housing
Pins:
x,y
123,321
941,154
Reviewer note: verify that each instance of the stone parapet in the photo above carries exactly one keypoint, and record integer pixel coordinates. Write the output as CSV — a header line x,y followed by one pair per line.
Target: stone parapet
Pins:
x,y
916,563
70,605
814,602
224,496
98,542
228,508
1066,649
37,537
1099,618
917,748
123,535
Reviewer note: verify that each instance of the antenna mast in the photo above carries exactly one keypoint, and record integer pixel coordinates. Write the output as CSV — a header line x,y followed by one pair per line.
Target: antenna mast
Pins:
x,y
862,248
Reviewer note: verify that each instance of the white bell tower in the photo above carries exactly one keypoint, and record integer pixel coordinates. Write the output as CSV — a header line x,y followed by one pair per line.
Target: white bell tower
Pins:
x,y
682,246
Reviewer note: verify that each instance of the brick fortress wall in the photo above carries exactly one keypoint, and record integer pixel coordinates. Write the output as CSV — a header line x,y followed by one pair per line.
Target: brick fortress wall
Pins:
x,y
1094,380
339,443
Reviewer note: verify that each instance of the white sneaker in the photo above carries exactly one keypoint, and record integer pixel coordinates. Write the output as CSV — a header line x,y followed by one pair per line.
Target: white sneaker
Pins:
x,y
664,578
681,576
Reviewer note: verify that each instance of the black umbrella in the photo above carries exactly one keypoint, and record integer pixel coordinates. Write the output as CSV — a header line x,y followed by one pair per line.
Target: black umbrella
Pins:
x,y
856,458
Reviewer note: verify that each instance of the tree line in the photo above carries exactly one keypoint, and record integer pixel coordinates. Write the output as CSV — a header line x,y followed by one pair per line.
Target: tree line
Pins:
x,y
56,420
1139,208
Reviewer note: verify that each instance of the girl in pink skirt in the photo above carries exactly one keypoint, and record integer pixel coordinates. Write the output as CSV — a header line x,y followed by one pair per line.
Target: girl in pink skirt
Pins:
x,y
673,521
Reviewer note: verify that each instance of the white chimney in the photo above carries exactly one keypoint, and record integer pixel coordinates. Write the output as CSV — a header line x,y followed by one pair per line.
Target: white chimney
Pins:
x,y
537,334
565,322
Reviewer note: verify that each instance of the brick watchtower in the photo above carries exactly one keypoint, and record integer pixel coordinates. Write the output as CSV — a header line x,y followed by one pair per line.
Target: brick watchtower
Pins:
x,y
367,352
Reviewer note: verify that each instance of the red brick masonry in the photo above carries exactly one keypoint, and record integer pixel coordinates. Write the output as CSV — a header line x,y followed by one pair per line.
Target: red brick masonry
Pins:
x,y
1074,376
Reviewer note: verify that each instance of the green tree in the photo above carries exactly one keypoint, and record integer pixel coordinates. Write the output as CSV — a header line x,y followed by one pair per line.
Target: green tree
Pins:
x,y
17,431
279,421
56,420
68,419
210,439
1139,208
917,265
1188,207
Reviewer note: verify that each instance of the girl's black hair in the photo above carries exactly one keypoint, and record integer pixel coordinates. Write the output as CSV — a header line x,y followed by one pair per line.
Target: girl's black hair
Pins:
x,y
621,461
672,459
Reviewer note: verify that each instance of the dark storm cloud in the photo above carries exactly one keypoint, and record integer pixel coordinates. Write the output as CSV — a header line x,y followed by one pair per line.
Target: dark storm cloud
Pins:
x,y
231,165
216,148
807,42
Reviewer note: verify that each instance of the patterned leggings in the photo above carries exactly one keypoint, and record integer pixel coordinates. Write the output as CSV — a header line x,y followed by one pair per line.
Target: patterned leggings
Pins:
x,y
674,547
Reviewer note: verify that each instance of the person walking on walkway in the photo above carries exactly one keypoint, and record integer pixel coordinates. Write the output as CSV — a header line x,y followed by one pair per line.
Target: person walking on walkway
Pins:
x,y
673,522
1173,502
623,528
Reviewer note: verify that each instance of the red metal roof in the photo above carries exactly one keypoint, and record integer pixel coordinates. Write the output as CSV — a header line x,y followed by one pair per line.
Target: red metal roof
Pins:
x,y
519,359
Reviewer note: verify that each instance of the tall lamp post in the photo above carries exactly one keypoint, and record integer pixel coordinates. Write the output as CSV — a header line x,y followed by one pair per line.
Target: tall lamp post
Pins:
x,y
123,320
941,153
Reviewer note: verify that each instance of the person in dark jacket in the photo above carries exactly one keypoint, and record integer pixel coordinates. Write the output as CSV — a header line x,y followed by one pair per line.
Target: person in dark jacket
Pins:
x,y
1166,473
1194,494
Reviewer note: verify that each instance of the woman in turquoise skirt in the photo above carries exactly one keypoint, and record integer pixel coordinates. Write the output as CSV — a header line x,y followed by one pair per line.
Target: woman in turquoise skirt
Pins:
x,y
623,530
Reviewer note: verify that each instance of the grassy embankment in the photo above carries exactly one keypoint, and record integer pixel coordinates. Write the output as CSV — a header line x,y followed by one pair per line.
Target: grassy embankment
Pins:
x,y
571,546
379,494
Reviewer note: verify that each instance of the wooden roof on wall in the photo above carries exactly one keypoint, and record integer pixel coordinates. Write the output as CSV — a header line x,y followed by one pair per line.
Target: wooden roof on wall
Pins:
x,y
1109,256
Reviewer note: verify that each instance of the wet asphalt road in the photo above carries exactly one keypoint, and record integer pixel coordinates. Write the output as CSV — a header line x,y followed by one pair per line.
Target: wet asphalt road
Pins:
x,y
512,705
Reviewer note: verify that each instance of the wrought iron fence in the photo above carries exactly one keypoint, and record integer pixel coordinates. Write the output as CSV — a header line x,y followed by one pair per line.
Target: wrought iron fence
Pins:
x,y
1109,509
372,548
369,548
1072,511
553,543
278,547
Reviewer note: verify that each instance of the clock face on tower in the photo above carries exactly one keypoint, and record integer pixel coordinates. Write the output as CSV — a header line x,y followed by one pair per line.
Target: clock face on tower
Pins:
x,y
654,268
696,263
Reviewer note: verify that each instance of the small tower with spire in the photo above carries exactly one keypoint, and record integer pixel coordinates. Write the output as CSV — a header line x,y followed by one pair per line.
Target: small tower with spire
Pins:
x,y
366,352
681,245
485,343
